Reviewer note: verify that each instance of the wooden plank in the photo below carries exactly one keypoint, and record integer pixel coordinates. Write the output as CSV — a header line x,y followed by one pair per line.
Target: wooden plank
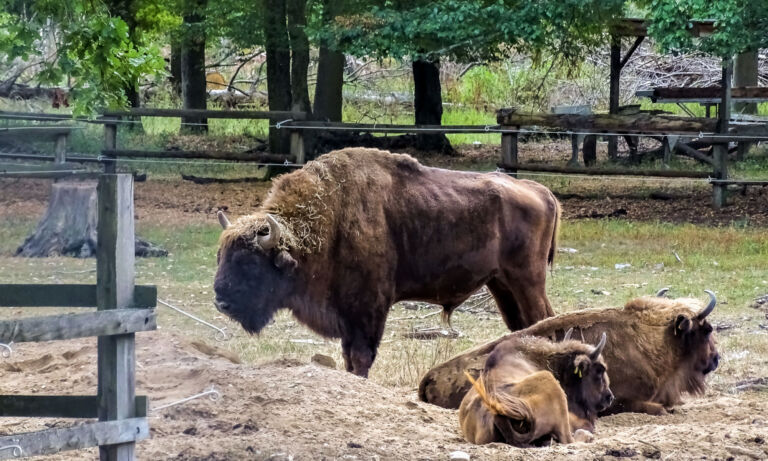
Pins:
x,y
202,113
35,133
48,158
58,406
115,256
16,167
50,441
710,92
212,155
69,326
389,128
605,171
609,123
66,295
49,175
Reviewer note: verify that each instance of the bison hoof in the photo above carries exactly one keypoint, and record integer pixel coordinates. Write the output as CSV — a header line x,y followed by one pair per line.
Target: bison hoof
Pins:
x,y
583,436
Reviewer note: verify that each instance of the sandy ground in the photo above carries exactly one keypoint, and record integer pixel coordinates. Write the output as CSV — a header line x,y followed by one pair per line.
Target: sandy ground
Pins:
x,y
304,411
291,410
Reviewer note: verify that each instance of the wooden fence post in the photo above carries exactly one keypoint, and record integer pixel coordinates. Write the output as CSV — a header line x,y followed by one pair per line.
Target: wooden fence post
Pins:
x,y
297,147
60,149
509,151
720,150
115,287
110,143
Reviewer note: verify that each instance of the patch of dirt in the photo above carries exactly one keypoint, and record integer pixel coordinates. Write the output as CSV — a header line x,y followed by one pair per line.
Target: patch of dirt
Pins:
x,y
291,410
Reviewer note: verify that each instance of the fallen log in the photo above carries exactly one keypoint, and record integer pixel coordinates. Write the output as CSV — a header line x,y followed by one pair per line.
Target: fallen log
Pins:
x,y
608,123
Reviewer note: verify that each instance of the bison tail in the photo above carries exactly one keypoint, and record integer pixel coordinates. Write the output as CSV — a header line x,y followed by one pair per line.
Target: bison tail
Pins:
x,y
555,227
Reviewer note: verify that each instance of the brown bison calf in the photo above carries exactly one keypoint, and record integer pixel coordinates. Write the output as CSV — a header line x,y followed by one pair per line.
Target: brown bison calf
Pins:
x,y
515,405
657,350
578,368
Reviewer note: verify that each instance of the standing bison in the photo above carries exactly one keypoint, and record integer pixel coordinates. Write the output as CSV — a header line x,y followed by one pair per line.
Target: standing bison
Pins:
x,y
341,240
658,349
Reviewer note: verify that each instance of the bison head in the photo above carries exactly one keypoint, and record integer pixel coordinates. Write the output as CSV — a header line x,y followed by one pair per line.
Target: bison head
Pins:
x,y
586,380
693,335
254,276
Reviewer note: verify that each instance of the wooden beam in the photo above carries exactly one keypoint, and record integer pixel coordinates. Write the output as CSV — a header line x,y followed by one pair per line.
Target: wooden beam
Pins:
x,y
69,326
60,148
41,133
631,51
212,155
48,167
66,295
203,113
50,441
689,151
605,171
115,256
614,88
110,142
48,158
58,406
641,123
81,174
389,128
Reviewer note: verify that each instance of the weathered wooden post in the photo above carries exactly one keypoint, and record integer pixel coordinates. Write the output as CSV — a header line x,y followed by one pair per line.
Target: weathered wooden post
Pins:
x,y
297,147
115,287
720,149
509,151
60,148
110,142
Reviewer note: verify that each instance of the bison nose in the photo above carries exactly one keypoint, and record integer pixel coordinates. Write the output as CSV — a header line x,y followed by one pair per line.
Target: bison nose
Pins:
x,y
608,399
222,306
713,364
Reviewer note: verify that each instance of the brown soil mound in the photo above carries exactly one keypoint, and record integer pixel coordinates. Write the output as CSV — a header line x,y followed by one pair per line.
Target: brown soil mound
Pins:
x,y
289,410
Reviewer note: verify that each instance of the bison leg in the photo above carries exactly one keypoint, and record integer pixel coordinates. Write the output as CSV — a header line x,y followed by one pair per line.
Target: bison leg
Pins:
x,y
521,304
637,406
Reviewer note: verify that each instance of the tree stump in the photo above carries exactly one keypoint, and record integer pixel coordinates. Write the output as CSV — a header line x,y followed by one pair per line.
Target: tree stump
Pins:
x,y
69,225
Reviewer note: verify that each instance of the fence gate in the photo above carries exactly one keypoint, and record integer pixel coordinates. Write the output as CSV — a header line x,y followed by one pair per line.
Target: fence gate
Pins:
x,y
122,310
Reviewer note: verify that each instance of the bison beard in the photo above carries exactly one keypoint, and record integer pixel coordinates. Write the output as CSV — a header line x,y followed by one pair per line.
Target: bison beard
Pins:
x,y
360,229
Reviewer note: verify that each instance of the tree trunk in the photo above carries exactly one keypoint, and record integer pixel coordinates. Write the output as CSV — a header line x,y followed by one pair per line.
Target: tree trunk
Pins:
x,y
69,225
330,75
297,22
193,90
175,65
428,105
278,69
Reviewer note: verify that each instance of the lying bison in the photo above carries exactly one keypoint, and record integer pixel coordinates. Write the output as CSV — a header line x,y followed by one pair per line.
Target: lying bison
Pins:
x,y
504,405
341,240
657,350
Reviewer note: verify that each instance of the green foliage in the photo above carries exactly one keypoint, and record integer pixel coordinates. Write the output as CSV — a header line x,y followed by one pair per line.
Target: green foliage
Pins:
x,y
476,29
740,25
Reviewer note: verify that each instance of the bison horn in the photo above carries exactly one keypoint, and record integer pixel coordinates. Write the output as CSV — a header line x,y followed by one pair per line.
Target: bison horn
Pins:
x,y
269,241
599,348
710,307
223,219
662,292
568,334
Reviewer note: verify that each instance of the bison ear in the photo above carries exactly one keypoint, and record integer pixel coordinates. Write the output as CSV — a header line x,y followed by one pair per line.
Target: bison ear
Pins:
x,y
682,324
285,261
581,365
